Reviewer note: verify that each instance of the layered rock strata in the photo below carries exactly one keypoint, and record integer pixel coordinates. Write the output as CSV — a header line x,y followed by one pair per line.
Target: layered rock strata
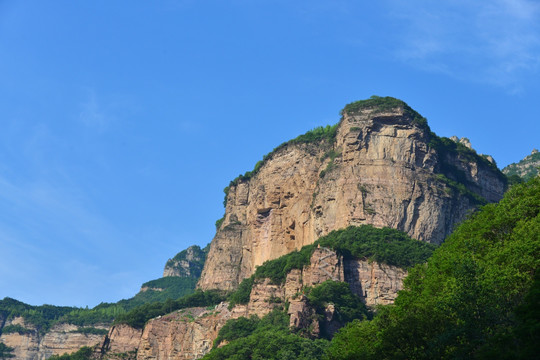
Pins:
x,y
60,339
379,170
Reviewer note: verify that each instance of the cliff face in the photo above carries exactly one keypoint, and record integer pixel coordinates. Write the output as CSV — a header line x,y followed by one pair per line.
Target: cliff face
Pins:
x,y
190,333
60,339
380,169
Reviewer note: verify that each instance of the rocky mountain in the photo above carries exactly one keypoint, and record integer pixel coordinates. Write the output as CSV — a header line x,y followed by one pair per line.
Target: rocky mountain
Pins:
x,y
187,263
379,165
29,343
38,332
368,183
526,169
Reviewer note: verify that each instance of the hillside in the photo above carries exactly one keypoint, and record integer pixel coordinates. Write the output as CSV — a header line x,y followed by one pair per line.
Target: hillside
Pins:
x,y
526,168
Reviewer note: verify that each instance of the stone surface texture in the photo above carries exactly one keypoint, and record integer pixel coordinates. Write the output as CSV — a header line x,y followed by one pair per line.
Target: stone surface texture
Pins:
x,y
382,172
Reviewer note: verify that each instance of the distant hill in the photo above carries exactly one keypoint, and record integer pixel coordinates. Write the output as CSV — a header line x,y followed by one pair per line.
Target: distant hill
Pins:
x,y
526,169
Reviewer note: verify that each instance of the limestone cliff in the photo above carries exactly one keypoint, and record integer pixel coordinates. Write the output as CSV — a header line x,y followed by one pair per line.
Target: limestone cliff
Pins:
x,y
30,344
381,166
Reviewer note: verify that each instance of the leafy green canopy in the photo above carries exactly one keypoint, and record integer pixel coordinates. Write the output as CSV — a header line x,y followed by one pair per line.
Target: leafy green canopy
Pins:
x,y
44,316
385,245
266,338
138,316
476,298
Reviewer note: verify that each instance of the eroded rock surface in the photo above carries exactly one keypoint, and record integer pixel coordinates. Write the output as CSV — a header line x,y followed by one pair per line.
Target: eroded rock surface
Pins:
x,y
380,170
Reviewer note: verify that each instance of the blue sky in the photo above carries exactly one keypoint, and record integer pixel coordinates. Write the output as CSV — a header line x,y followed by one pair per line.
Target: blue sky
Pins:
x,y
122,122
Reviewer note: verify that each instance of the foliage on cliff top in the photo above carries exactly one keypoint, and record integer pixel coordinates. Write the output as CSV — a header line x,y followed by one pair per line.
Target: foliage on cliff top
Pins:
x,y
267,338
476,298
380,104
138,316
388,246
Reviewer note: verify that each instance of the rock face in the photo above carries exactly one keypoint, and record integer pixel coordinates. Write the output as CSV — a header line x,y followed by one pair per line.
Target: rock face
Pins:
x,y
190,333
187,263
60,339
380,169
183,334
121,339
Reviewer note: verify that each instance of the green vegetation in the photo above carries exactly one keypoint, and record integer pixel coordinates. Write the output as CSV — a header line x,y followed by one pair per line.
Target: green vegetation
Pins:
x,y
195,265
17,328
386,104
90,331
386,245
84,353
319,134
525,169
455,178
476,298
219,222
6,352
138,316
266,338
45,316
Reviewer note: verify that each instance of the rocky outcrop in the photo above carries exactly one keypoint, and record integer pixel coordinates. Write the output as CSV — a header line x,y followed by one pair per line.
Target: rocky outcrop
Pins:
x,y
121,339
190,333
60,339
187,263
183,334
527,168
380,169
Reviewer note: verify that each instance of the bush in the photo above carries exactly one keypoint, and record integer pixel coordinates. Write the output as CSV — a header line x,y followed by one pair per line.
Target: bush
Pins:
x,y
17,328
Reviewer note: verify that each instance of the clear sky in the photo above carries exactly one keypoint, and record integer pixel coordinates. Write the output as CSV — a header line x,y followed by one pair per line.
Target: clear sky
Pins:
x,y
122,121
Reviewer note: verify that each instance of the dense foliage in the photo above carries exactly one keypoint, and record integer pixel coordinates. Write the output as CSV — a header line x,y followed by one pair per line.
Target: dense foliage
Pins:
x,y
385,104
44,316
266,338
348,305
477,297
386,245
16,328
138,316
